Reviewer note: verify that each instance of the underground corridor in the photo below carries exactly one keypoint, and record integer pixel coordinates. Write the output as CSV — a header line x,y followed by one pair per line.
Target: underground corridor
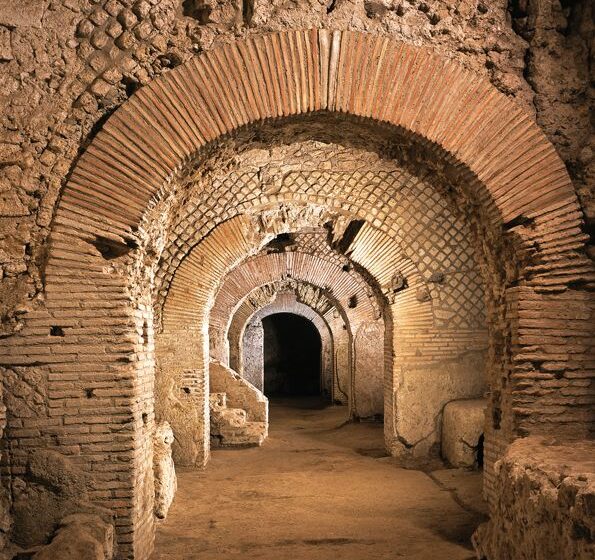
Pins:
x,y
276,292
320,488
322,483
292,357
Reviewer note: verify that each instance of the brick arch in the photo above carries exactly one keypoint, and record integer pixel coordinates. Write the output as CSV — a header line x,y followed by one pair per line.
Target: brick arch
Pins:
x,y
457,115
183,345
264,295
300,266
191,296
248,309
289,73
288,303
281,305
297,308
331,313
392,199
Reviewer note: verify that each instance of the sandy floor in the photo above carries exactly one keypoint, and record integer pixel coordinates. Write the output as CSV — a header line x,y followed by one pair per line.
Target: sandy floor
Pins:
x,y
318,490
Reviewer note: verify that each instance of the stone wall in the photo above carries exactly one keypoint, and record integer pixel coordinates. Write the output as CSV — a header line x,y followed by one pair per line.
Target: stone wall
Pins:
x,y
5,517
544,508
52,488
252,364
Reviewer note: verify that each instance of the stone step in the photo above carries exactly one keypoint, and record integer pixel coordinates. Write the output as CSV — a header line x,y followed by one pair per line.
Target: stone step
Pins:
x,y
230,427
250,435
228,417
218,400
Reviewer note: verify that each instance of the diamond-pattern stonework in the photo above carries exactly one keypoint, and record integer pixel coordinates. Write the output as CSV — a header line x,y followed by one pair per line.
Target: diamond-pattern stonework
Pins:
x,y
429,234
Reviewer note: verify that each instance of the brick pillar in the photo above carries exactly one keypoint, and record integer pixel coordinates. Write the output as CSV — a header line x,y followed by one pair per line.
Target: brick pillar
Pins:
x,y
253,354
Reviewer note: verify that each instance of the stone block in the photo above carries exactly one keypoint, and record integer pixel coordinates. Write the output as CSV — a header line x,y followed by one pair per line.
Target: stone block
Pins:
x,y
165,474
5,46
423,391
57,471
462,427
53,487
234,417
543,508
24,13
80,537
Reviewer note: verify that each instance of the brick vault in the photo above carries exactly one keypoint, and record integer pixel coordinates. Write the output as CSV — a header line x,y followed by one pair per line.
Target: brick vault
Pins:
x,y
414,214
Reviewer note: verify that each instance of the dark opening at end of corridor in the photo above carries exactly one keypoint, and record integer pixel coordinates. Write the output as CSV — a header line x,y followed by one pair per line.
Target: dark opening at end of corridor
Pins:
x,y
292,356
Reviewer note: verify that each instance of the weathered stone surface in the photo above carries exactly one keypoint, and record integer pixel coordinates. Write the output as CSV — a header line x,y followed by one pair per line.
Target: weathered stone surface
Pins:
x,y
163,465
369,370
246,435
179,400
252,354
422,393
544,507
231,417
24,13
5,52
58,472
80,537
5,516
67,64
54,487
462,426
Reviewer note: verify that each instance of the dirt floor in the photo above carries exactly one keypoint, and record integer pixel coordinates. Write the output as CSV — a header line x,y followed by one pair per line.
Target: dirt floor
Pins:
x,y
319,489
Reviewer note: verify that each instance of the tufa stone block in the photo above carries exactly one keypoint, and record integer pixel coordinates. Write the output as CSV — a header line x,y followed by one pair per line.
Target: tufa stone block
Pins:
x,y
462,427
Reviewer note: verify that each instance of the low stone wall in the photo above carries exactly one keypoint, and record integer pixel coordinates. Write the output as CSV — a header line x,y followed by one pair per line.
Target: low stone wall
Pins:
x,y
544,505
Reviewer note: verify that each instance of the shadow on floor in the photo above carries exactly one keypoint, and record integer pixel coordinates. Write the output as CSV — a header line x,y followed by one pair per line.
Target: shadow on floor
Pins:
x,y
302,403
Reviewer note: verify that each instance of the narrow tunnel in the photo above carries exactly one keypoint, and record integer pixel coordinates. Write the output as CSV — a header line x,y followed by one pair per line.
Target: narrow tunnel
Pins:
x,y
292,356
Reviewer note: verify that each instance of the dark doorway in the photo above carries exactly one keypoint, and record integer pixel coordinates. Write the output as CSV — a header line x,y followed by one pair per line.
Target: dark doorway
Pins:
x,y
292,355
479,453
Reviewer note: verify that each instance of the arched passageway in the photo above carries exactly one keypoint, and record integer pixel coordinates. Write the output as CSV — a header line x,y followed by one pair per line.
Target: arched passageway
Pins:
x,y
413,208
292,357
